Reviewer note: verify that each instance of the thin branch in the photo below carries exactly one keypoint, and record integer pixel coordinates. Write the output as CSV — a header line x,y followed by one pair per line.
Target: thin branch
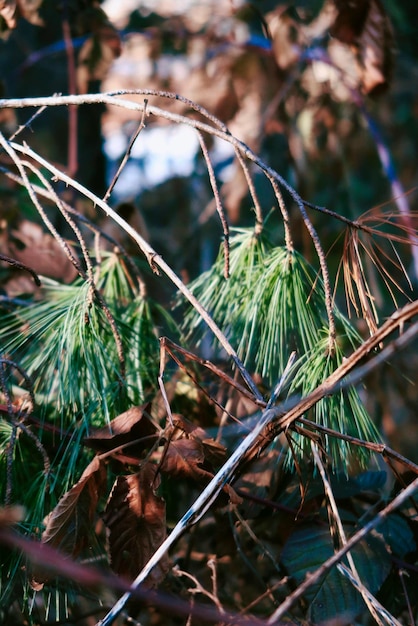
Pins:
x,y
378,448
284,212
250,184
127,153
103,305
26,378
357,584
44,193
218,202
219,130
27,124
59,204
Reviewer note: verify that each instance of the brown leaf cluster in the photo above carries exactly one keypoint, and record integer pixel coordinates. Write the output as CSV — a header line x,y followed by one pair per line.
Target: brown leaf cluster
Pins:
x,y
134,515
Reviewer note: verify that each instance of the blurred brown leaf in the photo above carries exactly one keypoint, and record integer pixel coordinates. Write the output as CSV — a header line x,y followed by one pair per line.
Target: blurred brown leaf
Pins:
x,y
10,515
32,246
135,518
8,11
99,50
69,524
365,25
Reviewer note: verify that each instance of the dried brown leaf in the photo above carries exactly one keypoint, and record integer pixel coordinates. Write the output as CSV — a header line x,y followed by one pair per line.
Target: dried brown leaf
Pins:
x,y
190,452
135,519
69,525
133,424
365,25
40,251
186,458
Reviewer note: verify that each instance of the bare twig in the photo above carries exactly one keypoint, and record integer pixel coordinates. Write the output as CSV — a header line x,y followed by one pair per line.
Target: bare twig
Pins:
x,y
385,614
250,184
218,202
218,130
127,153
28,123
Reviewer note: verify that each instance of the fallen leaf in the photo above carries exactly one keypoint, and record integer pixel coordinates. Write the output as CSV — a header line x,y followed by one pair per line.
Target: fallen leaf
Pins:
x,y
135,519
186,458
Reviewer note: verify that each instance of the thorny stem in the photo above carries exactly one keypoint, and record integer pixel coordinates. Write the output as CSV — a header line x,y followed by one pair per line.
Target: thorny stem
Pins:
x,y
27,124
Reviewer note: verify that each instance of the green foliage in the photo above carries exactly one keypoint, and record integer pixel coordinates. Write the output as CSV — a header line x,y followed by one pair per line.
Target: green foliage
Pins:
x,y
274,304
66,345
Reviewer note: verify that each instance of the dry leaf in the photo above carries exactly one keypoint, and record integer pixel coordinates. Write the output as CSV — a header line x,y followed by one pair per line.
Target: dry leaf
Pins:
x,y
185,457
190,451
39,250
135,423
135,518
365,25
69,524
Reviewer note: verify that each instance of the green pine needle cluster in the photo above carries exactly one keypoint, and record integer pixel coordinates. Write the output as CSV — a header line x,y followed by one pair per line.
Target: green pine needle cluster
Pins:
x,y
274,304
